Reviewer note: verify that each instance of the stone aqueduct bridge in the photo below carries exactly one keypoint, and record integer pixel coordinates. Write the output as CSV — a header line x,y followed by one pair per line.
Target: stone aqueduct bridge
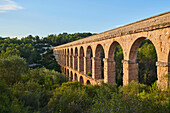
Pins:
x,y
75,61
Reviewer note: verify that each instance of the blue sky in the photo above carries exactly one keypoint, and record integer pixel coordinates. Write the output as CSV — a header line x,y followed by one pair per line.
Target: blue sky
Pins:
x,y
44,17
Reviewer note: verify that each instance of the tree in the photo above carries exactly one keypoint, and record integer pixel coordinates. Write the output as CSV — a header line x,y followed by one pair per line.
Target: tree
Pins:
x,y
12,68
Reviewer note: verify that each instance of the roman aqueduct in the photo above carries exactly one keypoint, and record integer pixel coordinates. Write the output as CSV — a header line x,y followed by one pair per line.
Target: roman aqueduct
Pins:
x,y
76,61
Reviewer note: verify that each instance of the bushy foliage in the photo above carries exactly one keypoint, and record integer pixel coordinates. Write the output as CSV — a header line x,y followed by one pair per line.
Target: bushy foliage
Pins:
x,y
132,101
23,89
133,88
46,77
89,74
12,68
8,103
69,98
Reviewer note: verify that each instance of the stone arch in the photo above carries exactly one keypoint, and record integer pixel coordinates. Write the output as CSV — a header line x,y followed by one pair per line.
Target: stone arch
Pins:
x,y
75,76
98,64
71,76
135,46
98,49
71,58
89,55
112,50
132,62
89,52
75,58
88,82
81,80
110,71
68,57
81,60
134,49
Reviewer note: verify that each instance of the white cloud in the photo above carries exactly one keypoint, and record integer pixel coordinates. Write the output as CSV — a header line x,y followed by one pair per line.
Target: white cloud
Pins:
x,y
7,5
119,25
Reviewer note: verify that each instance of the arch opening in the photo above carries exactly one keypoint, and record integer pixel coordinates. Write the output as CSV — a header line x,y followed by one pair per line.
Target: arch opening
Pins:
x,y
81,80
88,82
75,59
75,77
67,57
81,60
71,58
89,61
67,74
116,65
71,76
143,54
99,64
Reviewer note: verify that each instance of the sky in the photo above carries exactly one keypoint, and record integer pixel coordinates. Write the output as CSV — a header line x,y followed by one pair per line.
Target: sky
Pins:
x,y
20,18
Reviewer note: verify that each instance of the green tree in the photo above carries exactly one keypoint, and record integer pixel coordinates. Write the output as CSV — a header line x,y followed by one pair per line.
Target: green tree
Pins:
x,y
12,68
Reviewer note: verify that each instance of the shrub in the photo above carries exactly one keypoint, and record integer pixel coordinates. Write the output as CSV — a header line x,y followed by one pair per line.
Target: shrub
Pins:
x,y
8,103
133,88
89,74
12,68
29,93
69,98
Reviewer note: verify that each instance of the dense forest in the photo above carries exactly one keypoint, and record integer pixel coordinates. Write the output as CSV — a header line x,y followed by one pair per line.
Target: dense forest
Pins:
x,y
30,81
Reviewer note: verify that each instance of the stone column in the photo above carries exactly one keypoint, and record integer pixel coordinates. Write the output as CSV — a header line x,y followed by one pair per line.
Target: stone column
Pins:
x,y
73,62
130,71
162,74
87,65
62,59
109,71
96,68
70,60
74,78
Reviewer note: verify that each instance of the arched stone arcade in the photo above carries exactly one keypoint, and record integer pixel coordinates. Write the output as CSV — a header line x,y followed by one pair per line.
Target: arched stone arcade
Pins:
x,y
129,37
